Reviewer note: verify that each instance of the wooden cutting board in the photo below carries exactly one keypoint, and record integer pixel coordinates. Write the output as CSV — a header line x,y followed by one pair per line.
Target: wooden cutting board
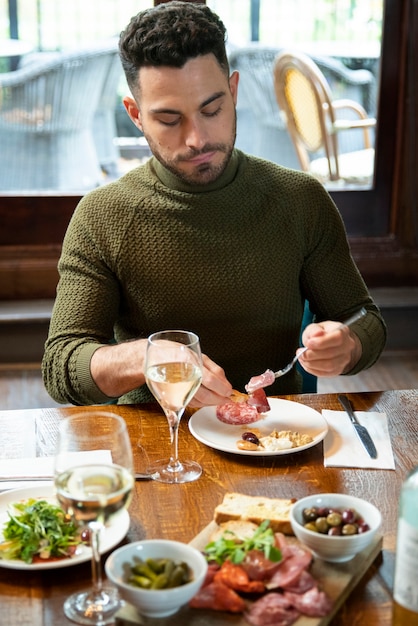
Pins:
x,y
337,579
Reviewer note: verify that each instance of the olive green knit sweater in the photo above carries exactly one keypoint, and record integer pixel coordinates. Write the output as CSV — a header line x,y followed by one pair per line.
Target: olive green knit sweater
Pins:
x,y
233,261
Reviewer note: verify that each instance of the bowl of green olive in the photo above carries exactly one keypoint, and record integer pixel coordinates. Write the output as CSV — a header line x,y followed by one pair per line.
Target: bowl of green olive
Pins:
x,y
157,576
335,526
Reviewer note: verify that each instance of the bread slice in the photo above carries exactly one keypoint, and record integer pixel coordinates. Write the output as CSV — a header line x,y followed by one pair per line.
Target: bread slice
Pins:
x,y
256,509
236,529
237,396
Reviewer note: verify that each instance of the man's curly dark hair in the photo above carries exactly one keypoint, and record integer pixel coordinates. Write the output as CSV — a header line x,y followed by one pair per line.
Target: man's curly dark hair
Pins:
x,y
169,35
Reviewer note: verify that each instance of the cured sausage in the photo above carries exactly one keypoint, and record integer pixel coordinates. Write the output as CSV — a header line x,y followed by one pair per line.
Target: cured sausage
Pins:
x,y
259,399
237,413
235,577
260,381
244,412
275,609
291,589
218,597
313,602
290,568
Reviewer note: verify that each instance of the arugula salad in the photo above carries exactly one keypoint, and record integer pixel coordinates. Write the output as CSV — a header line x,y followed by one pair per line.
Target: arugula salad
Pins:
x,y
227,547
38,530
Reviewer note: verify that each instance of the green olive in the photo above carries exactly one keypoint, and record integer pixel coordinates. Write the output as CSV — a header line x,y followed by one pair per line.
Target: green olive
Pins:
x,y
334,518
322,525
311,526
349,529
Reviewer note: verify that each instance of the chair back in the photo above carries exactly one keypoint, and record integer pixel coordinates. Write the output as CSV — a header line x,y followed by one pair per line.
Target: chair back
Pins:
x,y
46,117
304,96
261,127
316,121
104,121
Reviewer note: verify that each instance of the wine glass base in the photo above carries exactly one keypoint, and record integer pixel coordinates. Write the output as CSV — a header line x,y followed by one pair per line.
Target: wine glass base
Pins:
x,y
162,472
88,607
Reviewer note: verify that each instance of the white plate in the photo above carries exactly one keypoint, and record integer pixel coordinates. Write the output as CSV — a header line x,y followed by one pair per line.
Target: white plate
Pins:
x,y
284,415
111,536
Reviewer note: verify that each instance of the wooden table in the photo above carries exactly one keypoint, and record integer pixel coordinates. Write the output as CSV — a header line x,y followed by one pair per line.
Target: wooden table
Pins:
x,y
182,511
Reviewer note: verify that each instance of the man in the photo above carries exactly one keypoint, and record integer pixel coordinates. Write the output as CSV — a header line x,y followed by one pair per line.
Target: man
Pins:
x,y
202,237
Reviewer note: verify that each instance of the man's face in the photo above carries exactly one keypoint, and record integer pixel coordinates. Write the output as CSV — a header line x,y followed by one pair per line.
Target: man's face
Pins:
x,y
188,117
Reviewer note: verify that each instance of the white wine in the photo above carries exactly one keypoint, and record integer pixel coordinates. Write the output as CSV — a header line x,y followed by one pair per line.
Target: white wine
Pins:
x,y
94,492
173,384
405,593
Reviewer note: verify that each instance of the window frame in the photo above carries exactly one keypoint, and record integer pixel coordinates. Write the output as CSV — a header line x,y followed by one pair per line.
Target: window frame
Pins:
x,y
370,214
381,222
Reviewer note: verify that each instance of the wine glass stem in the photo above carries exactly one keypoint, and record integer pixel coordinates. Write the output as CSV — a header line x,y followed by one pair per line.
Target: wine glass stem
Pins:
x,y
174,421
96,569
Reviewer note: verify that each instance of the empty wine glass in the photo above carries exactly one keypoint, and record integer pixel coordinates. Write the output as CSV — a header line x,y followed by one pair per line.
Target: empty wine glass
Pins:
x,y
93,482
173,371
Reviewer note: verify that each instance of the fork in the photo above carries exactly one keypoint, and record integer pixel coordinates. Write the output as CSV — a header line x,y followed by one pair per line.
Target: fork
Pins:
x,y
268,378
361,313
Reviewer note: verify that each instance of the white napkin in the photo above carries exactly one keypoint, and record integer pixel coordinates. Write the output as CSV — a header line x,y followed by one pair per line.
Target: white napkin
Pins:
x,y
26,471
343,448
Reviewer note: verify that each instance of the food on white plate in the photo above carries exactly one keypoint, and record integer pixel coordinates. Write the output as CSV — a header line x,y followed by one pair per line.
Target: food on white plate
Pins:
x,y
243,408
259,399
274,441
38,531
238,396
256,509
237,413
259,382
273,571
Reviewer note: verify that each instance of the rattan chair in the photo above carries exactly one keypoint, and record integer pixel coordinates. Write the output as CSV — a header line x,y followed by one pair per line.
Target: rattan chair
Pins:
x,y
315,121
261,128
46,121
104,121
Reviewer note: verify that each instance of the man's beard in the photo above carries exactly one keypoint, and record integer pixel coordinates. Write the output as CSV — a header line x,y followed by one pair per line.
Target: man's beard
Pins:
x,y
203,173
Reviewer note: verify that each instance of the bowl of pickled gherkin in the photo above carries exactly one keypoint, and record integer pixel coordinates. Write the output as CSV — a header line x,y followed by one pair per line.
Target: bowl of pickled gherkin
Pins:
x,y
157,576
335,526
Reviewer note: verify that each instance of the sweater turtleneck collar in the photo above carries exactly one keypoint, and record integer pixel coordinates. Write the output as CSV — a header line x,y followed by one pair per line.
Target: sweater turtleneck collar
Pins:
x,y
172,181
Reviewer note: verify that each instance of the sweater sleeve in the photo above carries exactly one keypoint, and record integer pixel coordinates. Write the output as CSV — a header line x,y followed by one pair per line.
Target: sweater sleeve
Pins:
x,y
332,281
86,306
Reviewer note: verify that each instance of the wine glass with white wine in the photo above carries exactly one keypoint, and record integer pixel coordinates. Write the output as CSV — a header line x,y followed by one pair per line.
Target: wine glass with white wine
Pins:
x,y
93,483
173,371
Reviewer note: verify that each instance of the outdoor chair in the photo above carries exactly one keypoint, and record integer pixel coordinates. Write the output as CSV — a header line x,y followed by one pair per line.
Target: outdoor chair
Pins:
x,y
261,127
104,121
315,121
46,120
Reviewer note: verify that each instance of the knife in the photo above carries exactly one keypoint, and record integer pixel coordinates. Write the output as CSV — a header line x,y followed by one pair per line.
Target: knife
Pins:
x,y
361,431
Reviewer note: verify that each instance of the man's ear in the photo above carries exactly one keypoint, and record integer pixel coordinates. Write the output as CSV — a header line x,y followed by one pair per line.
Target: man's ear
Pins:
x,y
133,111
233,85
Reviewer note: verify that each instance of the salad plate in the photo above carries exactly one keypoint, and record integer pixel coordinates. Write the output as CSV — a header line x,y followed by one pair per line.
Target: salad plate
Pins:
x,y
113,534
284,415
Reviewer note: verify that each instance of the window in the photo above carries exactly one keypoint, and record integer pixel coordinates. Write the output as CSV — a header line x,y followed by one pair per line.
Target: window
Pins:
x,y
381,221
61,111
